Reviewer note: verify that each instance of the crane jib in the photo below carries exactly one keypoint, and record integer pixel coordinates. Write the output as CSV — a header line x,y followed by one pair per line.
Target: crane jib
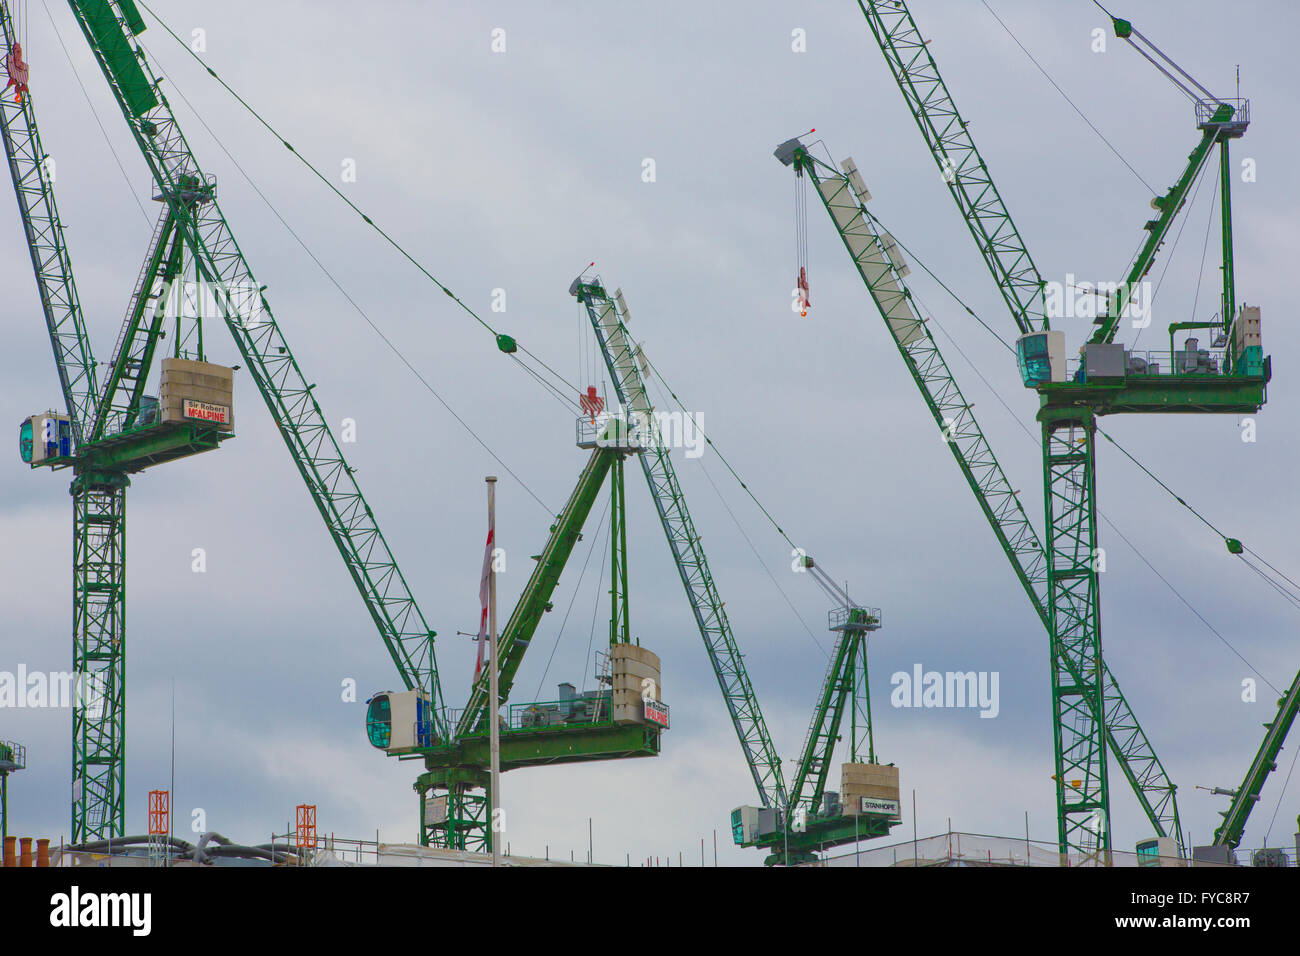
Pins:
x,y
118,56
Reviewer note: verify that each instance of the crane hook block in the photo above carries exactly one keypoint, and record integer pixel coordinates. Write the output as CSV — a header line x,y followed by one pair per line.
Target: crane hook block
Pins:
x,y
507,344
18,72
802,288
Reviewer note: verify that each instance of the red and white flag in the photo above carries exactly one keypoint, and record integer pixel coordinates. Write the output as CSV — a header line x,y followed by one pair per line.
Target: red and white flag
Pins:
x,y
484,592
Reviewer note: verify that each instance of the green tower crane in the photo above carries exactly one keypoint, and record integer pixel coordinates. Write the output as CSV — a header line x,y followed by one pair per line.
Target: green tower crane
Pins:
x,y
883,270
624,719
1110,380
453,750
867,805
109,433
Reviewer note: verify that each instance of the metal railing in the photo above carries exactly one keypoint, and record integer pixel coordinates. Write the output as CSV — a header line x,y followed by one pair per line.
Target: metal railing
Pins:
x,y
13,756
979,849
544,714
609,431
1163,362
1205,110
838,618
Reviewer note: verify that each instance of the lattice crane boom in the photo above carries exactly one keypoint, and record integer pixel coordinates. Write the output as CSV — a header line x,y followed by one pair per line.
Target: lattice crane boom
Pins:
x,y
110,28
621,358
969,181
1246,796
844,687
33,178
881,267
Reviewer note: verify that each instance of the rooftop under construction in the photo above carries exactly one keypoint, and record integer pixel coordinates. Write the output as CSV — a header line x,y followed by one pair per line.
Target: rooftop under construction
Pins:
x,y
309,700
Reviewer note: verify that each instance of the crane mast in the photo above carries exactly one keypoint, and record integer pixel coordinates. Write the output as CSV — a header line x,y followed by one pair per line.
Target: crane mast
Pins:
x,y
1082,787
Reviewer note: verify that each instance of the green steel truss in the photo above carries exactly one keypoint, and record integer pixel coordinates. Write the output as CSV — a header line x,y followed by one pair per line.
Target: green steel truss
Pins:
x,y
845,687
684,541
620,622
99,656
457,775
1220,122
1169,205
1246,796
99,499
963,169
33,180
108,447
997,499
535,600
464,823
1071,603
133,355
1074,597
110,30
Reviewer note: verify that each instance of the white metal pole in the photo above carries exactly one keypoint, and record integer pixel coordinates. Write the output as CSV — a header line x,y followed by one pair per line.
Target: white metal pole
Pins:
x,y
494,730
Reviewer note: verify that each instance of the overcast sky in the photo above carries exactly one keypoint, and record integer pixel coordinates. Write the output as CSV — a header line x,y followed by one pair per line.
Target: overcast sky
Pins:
x,y
513,170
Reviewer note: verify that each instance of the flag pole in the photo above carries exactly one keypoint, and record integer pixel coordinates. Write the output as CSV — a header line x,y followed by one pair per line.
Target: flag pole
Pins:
x,y
494,730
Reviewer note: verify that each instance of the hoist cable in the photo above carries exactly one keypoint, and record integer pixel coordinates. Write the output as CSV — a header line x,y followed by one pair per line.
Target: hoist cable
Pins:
x,y
1285,784
95,114
401,250
1169,256
763,564
353,302
576,588
1091,126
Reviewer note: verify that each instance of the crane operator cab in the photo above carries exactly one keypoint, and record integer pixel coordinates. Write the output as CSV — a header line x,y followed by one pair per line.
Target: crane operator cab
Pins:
x,y
44,437
1041,357
400,722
